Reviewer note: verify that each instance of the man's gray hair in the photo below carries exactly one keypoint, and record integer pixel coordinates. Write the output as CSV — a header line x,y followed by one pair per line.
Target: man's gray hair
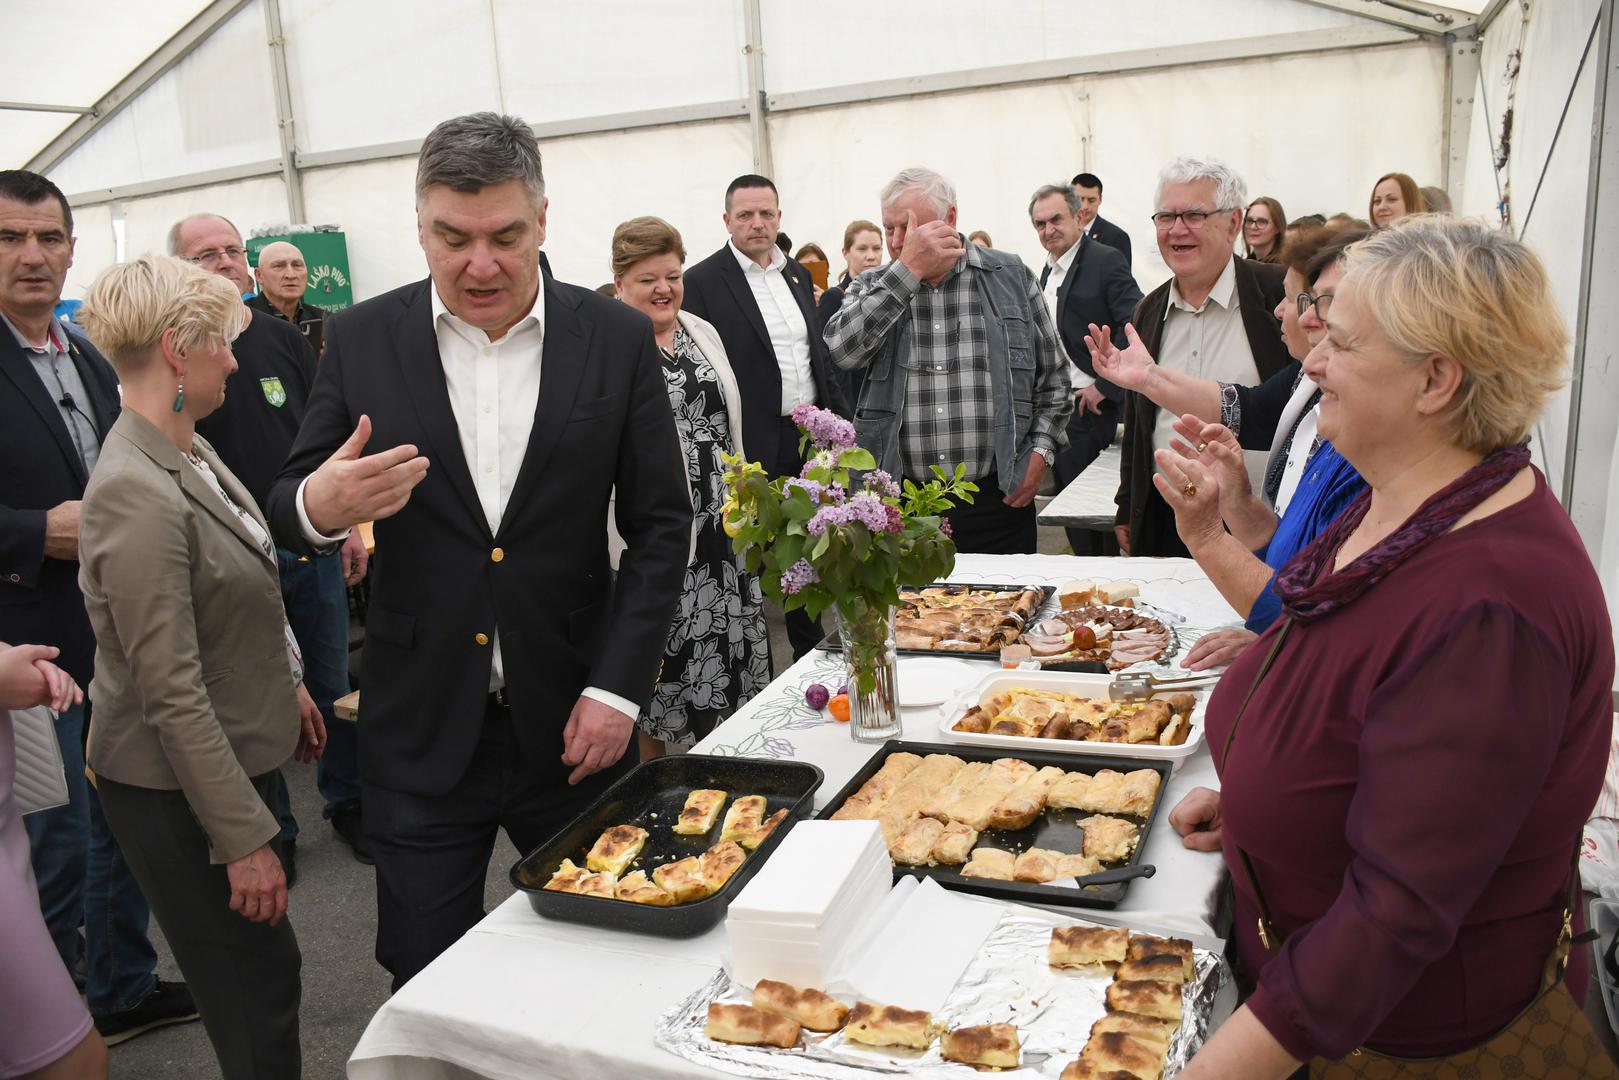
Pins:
x,y
178,227
1229,190
479,150
1069,196
939,191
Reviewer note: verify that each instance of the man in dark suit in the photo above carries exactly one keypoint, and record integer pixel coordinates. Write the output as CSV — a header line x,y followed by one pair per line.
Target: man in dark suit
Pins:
x,y
1084,282
58,400
1214,318
1088,186
763,305
503,669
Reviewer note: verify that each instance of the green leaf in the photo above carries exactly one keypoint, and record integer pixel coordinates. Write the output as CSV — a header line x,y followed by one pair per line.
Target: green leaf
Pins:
x,y
857,459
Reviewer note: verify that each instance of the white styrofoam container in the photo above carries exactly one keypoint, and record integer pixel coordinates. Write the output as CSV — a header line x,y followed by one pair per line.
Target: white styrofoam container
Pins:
x,y
1083,684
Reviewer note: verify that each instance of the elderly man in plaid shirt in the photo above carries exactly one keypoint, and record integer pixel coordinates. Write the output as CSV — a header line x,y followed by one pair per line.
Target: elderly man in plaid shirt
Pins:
x,y
963,365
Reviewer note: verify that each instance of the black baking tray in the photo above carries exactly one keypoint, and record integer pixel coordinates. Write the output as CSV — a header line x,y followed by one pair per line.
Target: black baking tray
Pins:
x,y
651,795
1055,829
833,643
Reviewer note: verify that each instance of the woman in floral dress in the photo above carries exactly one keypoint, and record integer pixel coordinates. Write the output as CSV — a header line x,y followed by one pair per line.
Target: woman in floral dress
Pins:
x,y
717,656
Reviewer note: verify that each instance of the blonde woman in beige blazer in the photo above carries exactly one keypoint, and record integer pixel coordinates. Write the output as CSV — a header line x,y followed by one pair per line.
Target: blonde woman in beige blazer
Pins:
x,y
717,655
197,689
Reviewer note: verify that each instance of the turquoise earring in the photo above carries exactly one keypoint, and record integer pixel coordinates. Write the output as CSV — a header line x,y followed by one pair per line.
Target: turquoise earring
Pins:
x,y
180,396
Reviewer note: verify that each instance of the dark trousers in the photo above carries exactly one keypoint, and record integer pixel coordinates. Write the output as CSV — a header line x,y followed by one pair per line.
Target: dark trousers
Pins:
x,y
433,851
987,525
1088,435
803,632
84,881
1155,536
243,975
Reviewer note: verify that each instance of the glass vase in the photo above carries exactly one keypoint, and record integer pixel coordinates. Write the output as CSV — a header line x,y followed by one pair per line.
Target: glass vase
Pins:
x,y
867,634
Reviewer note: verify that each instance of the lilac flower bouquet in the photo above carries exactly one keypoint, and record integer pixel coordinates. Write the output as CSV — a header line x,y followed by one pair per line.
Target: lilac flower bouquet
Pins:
x,y
842,535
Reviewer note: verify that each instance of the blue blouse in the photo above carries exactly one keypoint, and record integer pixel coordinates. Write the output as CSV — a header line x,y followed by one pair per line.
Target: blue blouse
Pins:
x,y
1328,486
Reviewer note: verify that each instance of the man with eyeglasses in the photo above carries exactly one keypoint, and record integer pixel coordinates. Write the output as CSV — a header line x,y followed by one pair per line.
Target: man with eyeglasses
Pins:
x,y
58,400
253,432
1212,319
283,275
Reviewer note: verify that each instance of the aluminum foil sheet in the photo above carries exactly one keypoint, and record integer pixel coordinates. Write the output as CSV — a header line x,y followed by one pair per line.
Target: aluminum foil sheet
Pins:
x,y
1009,982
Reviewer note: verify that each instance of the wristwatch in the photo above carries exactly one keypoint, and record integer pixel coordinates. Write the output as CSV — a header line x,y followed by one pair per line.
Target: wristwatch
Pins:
x,y
1048,456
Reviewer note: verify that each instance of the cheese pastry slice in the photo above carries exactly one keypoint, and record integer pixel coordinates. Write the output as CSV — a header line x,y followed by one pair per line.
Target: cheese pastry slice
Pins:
x,y
702,809
955,845
1166,968
616,848
1077,866
990,863
914,845
1036,864
1086,1070
745,815
638,890
1145,1028
752,837
1113,792
1146,998
1109,839
1023,803
889,1025
683,880
750,1026
718,863
992,1045
813,1009
1118,1051
567,877
1080,946
1145,945
1069,792
603,884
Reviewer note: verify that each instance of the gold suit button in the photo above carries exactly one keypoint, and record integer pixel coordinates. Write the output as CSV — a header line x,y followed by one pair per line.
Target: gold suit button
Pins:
x,y
497,555
481,639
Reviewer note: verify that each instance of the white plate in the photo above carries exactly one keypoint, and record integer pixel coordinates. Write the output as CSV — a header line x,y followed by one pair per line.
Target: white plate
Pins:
x,y
925,681
1067,682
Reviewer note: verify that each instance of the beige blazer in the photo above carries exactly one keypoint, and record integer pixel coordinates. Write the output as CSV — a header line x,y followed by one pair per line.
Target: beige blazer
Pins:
x,y
192,689
708,340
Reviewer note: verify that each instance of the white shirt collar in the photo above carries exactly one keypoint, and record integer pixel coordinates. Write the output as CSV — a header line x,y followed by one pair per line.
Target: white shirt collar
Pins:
x,y
777,259
477,336
1066,259
1089,224
1223,293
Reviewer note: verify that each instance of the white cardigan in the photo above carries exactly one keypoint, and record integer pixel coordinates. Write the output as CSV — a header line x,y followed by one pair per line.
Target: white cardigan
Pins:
x,y
708,340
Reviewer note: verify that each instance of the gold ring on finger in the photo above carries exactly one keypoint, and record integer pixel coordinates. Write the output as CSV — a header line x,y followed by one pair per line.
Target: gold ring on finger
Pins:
x,y
1202,446
1190,491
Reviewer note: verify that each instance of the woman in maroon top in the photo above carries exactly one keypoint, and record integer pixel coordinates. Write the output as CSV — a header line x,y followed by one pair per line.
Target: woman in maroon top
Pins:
x,y
1410,778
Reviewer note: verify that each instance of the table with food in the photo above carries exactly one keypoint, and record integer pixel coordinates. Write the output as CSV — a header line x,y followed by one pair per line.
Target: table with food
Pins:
x,y
997,888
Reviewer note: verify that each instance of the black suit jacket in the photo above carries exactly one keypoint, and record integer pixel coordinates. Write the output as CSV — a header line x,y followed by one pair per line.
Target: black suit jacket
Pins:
x,y
1098,289
40,602
717,290
1110,234
442,580
1151,521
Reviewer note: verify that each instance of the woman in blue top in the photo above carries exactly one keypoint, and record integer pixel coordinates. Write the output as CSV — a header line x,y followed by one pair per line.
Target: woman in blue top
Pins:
x,y
1236,536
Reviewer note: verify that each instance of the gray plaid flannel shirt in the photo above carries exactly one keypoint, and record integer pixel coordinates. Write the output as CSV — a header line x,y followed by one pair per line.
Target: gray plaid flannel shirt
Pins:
x,y
949,412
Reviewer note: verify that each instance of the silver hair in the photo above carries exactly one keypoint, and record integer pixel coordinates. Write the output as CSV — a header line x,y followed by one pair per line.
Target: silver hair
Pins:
x,y
179,226
472,152
939,191
1229,190
1069,196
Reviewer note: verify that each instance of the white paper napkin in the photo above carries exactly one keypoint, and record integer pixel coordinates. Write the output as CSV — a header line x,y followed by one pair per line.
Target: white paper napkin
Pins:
x,y
921,941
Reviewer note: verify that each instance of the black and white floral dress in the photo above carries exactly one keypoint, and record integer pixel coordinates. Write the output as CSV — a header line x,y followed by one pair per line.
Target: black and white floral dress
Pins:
x,y
717,656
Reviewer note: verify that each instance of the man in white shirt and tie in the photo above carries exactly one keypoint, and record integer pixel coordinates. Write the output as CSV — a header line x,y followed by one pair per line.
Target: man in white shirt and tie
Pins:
x,y
503,668
763,305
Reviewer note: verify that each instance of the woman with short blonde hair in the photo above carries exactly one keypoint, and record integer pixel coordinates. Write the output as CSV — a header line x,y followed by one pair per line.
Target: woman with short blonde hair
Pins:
x,y
198,683
1408,756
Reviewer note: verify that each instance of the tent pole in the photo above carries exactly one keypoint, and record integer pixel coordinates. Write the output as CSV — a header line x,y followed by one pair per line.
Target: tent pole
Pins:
x,y
1461,80
1587,461
283,113
763,161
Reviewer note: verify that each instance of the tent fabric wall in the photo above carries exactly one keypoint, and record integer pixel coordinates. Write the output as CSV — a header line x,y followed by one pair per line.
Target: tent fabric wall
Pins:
x,y
93,248
246,203
214,109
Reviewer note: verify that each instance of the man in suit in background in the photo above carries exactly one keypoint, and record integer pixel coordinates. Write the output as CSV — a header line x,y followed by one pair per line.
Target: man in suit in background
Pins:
x,y
58,400
503,669
1214,318
253,432
1088,186
1084,281
763,305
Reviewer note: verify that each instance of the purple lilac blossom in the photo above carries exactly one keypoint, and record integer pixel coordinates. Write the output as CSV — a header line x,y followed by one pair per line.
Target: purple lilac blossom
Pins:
x,y
878,480
797,576
827,430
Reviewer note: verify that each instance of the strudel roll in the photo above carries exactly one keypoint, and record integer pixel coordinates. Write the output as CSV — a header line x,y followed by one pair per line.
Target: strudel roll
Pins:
x,y
1080,946
889,1025
991,1045
750,1026
811,1008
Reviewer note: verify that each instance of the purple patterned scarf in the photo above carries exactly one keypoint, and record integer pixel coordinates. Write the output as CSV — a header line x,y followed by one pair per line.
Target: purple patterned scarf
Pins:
x,y
1309,588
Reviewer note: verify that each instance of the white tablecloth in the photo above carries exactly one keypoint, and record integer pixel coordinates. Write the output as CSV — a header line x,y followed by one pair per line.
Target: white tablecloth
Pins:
x,y
1087,502
521,996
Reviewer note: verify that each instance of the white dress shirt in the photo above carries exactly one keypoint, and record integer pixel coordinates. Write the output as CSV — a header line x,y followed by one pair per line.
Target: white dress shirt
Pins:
x,y
1059,273
494,388
784,322
1209,341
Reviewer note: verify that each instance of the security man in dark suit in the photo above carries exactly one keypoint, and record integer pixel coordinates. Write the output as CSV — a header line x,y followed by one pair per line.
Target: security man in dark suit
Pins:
x,y
763,305
1084,282
1088,186
503,666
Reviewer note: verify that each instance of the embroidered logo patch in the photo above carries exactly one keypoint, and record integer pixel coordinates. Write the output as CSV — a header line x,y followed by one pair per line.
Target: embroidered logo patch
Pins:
x,y
274,392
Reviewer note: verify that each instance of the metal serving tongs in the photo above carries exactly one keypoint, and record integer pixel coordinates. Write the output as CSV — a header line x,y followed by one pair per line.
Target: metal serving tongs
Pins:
x,y
1141,685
